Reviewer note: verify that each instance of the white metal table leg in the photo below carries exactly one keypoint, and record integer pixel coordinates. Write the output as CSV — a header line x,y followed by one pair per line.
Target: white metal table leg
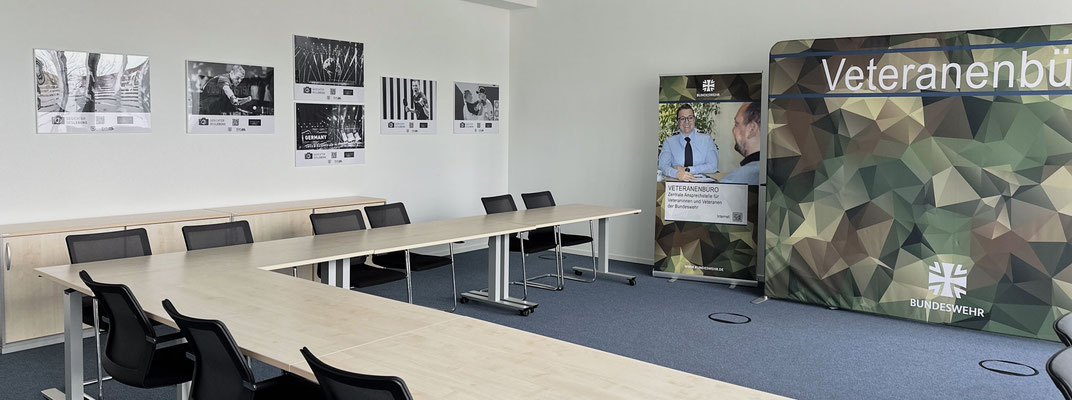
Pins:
x,y
498,293
603,263
72,349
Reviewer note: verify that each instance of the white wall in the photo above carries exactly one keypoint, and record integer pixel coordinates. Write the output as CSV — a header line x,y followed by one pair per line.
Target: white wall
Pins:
x,y
49,177
584,79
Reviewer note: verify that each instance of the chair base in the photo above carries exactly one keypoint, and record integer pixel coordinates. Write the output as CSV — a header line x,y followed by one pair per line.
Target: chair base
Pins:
x,y
631,279
529,282
481,296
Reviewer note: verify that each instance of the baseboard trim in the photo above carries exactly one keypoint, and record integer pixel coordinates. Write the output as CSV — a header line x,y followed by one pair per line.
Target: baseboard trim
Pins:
x,y
616,257
28,344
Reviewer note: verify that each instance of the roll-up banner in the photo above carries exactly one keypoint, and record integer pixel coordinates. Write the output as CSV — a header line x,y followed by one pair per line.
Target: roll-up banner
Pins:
x,y
708,177
924,176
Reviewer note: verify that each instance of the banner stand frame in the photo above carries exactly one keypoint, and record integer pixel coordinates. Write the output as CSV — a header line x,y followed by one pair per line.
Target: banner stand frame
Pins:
x,y
702,278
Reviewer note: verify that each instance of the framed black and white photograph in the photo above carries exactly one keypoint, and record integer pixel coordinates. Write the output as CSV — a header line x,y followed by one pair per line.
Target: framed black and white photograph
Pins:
x,y
229,98
408,106
476,108
329,134
83,92
329,70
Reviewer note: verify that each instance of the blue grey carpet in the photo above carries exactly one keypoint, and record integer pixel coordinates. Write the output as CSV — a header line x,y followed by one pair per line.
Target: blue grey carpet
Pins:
x,y
792,349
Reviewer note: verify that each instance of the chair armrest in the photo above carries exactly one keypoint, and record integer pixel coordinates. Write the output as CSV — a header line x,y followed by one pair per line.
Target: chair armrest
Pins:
x,y
170,337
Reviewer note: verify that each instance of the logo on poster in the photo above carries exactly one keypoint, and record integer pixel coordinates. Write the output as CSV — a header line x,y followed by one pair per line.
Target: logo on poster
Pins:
x,y
390,124
708,85
57,120
948,279
461,125
308,156
951,281
307,90
202,121
234,121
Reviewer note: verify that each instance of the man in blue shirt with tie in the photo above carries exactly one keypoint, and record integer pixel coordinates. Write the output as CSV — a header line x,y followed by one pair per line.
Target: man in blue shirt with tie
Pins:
x,y
688,151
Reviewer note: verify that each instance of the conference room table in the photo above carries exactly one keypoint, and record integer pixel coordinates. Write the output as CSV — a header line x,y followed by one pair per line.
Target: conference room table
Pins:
x,y
439,355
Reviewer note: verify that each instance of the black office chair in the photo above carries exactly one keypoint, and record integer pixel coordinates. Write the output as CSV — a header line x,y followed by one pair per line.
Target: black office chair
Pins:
x,y
134,354
361,274
100,247
344,385
544,199
1063,326
395,214
220,371
199,237
524,243
1060,369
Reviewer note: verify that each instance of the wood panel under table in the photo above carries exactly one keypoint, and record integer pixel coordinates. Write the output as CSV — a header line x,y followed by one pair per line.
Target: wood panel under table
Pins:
x,y
31,307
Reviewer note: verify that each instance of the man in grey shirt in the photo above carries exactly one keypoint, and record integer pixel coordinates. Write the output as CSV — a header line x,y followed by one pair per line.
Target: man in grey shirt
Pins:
x,y
746,139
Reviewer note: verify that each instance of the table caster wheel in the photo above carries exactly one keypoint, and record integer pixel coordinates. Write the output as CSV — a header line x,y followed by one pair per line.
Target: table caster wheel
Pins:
x,y
526,312
632,281
463,300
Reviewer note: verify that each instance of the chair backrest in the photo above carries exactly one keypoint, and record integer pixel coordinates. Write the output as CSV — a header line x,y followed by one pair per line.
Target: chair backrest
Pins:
x,y
1060,369
220,371
108,245
217,235
387,215
1063,327
498,204
538,199
128,353
342,221
342,385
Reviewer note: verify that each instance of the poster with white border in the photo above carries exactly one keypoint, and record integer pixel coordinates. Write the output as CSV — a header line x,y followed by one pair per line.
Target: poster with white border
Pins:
x,y
476,108
83,92
329,134
229,98
328,70
407,106
712,203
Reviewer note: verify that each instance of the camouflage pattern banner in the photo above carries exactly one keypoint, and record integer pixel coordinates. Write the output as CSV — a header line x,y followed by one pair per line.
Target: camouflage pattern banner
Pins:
x,y
924,176
719,177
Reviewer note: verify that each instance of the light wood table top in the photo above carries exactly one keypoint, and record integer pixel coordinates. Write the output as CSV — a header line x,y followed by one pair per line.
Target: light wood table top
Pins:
x,y
440,355
283,206
118,221
561,215
466,358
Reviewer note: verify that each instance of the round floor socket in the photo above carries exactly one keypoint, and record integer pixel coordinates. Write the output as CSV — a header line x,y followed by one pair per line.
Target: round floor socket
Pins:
x,y
1008,368
730,318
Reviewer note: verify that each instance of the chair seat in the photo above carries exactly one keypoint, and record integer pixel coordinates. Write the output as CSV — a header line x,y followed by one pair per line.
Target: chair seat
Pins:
x,y
567,239
286,387
364,275
533,244
573,240
417,262
170,367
